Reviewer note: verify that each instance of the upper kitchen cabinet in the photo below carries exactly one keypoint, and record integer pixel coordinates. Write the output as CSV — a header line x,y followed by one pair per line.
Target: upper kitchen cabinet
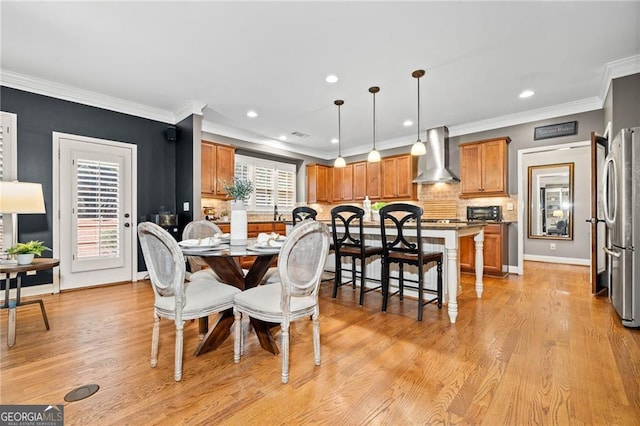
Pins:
x,y
217,167
398,173
318,183
359,180
374,181
342,183
484,168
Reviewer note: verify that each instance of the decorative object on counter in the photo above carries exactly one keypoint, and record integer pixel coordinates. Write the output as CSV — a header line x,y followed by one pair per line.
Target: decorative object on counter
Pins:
x,y
25,252
224,215
20,198
275,212
374,155
340,160
239,191
366,206
375,209
418,147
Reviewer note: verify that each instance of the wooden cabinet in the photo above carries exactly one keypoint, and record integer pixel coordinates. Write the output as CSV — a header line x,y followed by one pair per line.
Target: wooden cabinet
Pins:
x,y
374,181
317,183
217,164
360,180
495,251
484,168
342,183
398,173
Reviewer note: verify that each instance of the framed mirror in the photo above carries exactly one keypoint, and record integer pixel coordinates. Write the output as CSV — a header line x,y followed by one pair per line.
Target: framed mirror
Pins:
x,y
551,201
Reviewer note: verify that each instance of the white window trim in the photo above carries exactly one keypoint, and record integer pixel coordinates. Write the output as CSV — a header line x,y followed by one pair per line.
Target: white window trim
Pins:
x,y
252,162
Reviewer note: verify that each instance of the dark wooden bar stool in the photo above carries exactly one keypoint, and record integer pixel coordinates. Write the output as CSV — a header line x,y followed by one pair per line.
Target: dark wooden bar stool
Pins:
x,y
301,213
351,244
397,249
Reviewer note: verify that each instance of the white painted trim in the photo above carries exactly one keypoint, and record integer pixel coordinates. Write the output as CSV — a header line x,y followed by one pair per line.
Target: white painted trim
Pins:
x,y
522,190
34,290
56,136
564,260
617,69
191,107
86,97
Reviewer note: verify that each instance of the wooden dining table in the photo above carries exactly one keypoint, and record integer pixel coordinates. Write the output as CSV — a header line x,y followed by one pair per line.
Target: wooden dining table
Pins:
x,y
226,264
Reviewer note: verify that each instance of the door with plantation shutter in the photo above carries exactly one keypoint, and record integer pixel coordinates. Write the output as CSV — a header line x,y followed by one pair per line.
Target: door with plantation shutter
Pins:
x,y
97,226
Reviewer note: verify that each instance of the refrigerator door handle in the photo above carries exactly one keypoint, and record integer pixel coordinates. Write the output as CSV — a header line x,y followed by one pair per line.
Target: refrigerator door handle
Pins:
x,y
611,252
609,177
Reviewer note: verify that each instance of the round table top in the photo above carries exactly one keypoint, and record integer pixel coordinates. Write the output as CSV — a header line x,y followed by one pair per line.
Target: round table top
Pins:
x,y
226,250
37,265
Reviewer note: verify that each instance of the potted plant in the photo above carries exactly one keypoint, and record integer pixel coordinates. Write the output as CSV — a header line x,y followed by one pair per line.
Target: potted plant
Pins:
x,y
240,191
225,215
375,208
25,252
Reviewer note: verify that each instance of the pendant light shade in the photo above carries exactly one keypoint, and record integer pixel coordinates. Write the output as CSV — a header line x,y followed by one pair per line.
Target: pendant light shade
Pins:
x,y
418,147
374,155
339,161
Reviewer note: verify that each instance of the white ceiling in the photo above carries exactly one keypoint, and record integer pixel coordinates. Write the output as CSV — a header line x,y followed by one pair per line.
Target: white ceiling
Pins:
x,y
164,60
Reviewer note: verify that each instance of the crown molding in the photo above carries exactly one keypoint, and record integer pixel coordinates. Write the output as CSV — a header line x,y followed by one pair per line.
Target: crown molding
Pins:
x,y
189,108
617,69
231,132
86,97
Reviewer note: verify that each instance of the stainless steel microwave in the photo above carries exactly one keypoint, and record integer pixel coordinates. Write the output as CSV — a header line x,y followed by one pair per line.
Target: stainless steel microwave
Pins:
x,y
493,213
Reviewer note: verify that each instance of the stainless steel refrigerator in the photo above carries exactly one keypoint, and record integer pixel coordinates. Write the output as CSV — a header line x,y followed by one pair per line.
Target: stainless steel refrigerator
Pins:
x,y
622,215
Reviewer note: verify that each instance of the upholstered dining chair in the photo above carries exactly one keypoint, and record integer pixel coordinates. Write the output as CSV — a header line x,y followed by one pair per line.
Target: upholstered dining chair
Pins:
x,y
397,249
301,213
300,264
349,243
175,299
192,231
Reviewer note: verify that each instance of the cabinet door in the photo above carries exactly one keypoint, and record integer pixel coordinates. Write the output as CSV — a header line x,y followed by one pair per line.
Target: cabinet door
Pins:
x,y
336,184
317,180
494,160
359,180
404,173
492,254
208,169
466,254
374,181
470,168
225,163
390,178
347,182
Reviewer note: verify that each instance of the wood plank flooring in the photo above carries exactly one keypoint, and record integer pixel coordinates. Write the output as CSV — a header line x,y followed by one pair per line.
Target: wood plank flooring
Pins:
x,y
536,349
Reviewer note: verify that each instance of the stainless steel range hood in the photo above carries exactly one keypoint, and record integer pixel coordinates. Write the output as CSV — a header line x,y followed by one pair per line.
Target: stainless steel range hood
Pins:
x,y
433,167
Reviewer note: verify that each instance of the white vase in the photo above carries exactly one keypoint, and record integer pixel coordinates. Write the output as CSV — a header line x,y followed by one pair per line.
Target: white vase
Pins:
x,y
238,223
25,259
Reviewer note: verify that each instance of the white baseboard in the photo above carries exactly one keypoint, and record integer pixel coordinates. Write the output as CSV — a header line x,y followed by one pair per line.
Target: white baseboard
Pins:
x,y
553,259
33,290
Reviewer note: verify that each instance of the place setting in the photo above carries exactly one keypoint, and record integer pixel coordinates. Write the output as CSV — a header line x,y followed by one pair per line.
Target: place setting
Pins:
x,y
199,245
267,242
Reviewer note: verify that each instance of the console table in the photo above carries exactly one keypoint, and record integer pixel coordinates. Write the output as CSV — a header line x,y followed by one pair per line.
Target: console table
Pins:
x,y
12,271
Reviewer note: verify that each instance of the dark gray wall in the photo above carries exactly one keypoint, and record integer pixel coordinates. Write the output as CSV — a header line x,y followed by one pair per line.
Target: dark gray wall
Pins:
x,y
39,116
625,106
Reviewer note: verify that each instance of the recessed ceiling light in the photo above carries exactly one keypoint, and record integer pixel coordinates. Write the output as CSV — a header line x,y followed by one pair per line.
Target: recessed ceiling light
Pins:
x,y
527,93
334,140
282,138
252,114
407,123
331,78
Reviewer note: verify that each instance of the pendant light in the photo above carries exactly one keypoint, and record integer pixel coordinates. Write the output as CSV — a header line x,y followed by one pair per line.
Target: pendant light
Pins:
x,y
418,147
374,155
340,160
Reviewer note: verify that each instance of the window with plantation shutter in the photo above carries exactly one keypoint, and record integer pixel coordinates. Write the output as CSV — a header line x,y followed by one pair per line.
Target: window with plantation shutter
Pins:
x,y
98,209
274,183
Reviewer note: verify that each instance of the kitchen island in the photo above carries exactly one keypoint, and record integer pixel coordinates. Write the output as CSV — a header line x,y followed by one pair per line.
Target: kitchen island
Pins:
x,y
438,237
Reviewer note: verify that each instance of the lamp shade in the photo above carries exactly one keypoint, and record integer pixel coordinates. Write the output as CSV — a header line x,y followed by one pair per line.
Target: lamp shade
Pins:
x,y
21,198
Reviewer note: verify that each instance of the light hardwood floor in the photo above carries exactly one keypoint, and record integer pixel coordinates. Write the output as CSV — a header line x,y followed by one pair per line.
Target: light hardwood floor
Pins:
x,y
537,349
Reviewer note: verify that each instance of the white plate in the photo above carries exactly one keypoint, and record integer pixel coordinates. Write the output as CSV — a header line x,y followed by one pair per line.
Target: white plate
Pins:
x,y
200,243
203,249
264,248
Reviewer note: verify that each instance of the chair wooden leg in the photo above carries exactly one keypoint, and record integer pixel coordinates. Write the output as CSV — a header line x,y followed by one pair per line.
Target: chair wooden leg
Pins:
x,y
178,356
155,334
363,266
316,338
337,276
353,273
420,291
285,351
439,269
385,285
401,280
237,336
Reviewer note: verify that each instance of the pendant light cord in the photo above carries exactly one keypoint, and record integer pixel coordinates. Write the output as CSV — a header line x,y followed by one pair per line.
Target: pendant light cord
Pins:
x,y
339,134
418,109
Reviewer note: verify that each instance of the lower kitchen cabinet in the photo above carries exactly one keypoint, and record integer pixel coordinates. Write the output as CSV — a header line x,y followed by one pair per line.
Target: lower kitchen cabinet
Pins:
x,y
495,251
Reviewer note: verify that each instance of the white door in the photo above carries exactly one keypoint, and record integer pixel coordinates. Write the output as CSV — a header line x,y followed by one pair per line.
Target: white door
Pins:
x,y
96,211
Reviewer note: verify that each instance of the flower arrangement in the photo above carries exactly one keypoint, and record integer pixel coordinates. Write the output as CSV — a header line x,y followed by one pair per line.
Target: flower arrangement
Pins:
x,y
378,205
240,190
32,247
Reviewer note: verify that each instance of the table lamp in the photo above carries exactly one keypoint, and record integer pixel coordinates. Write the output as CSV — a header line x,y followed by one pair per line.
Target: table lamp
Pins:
x,y
20,198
